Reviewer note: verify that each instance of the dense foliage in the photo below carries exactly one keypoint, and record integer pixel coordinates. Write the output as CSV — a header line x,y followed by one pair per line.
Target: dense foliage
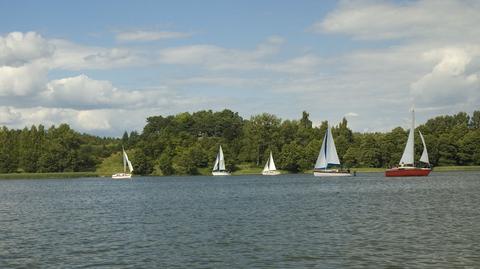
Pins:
x,y
58,149
187,144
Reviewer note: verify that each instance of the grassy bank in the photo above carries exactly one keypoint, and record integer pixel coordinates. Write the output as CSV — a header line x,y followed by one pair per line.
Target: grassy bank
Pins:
x,y
107,170
111,165
456,168
47,175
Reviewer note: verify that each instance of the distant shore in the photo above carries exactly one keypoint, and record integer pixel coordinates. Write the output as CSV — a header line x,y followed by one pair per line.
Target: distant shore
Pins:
x,y
205,172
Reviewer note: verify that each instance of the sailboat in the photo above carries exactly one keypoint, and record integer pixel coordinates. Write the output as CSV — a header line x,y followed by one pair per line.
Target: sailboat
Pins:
x,y
407,166
126,162
219,167
327,158
270,169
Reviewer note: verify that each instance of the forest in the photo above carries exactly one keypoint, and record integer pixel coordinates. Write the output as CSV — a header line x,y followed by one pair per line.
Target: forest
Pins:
x,y
187,143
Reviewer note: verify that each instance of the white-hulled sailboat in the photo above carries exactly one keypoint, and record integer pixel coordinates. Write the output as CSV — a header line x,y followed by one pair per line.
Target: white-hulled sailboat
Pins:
x,y
407,166
126,162
270,169
328,158
219,167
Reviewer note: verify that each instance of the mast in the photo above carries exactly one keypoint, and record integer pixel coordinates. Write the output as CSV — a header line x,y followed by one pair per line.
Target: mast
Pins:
x,y
408,153
221,162
124,161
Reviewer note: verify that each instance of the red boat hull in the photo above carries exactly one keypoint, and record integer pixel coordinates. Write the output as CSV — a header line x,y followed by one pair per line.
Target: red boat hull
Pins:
x,y
408,172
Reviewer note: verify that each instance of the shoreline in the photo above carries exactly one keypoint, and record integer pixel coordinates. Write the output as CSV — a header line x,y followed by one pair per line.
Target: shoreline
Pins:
x,y
241,172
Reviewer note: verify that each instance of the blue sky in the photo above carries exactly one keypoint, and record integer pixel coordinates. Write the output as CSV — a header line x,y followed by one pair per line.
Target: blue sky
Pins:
x,y
104,66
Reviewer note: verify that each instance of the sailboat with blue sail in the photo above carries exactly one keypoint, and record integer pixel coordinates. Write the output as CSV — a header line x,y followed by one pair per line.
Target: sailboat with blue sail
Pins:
x,y
328,164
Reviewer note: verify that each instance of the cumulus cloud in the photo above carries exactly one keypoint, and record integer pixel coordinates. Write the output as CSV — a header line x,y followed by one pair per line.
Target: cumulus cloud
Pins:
x,y
448,84
8,115
417,19
86,120
18,48
81,92
140,35
434,61
23,80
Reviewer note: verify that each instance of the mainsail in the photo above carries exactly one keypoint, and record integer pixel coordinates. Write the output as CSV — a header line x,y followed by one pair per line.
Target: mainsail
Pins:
x,y
328,152
219,161
408,153
126,162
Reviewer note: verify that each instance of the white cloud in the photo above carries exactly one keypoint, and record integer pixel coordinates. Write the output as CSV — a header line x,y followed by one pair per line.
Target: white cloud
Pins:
x,y
219,58
23,80
17,48
8,116
376,20
351,114
448,84
303,64
71,56
81,91
434,62
140,35
93,120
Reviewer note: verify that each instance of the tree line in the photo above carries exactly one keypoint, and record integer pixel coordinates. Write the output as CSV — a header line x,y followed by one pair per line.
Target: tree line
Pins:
x,y
187,143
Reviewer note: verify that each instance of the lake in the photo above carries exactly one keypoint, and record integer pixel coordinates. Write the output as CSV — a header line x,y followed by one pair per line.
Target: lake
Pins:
x,y
288,221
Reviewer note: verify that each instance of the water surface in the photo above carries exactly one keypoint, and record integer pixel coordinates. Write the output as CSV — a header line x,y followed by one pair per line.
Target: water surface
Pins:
x,y
288,221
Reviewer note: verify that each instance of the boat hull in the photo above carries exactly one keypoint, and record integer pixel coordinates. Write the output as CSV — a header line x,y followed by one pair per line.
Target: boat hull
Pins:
x,y
408,172
331,173
121,176
271,173
220,173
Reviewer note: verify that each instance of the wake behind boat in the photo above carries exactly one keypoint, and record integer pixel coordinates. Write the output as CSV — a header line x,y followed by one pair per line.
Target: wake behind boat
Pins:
x,y
407,166
219,167
328,159
126,162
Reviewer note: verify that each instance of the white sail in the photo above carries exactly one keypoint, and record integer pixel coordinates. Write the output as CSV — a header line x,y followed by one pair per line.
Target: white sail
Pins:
x,y
126,162
271,163
328,152
130,167
424,157
265,168
322,160
215,166
408,153
219,161
332,156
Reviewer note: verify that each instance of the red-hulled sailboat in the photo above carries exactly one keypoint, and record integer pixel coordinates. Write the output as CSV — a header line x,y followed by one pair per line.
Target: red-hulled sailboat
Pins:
x,y
407,166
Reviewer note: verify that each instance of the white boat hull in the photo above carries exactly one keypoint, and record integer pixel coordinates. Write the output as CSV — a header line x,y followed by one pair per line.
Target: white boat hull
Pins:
x,y
271,173
331,174
220,173
121,176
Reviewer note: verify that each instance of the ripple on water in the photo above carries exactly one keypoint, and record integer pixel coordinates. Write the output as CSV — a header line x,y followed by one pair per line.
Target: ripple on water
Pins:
x,y
289,221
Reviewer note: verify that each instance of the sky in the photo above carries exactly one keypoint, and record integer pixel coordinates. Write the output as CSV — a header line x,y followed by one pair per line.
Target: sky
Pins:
x,y
105,66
